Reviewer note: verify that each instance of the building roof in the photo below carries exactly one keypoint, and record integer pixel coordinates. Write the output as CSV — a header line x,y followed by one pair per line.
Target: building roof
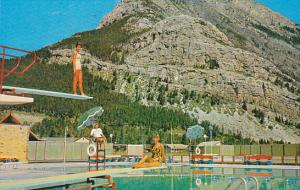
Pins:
x,y
59,139
177,146
213,143
10,118
82,140
33,136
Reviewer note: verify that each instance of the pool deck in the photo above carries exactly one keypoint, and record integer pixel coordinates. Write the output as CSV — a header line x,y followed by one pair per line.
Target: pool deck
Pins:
x,y
52,181
43,175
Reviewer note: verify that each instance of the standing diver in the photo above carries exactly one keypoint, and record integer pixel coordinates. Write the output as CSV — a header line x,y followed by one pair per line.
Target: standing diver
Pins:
x,y
77,76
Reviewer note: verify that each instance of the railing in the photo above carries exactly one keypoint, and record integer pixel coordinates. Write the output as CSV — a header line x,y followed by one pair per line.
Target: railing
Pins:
x,y
15,69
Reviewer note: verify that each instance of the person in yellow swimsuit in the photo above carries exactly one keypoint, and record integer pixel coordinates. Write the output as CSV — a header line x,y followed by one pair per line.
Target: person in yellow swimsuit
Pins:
x,y
77,76
158,156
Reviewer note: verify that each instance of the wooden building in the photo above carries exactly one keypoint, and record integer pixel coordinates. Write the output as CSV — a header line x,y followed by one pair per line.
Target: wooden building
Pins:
x,y
14,137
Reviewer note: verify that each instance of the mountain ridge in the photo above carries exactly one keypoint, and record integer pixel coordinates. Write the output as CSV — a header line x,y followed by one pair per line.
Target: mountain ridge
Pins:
x,y
233,63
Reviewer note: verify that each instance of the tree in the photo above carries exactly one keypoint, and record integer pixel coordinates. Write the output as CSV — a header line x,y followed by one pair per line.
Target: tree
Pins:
x,y
244,106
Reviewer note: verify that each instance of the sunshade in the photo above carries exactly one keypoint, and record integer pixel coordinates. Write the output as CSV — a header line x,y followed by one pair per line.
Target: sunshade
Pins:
x,y
194,132
89,117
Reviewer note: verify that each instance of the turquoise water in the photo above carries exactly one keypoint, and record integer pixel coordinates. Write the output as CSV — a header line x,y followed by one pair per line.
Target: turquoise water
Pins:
x,y
186,178
33,24
288,8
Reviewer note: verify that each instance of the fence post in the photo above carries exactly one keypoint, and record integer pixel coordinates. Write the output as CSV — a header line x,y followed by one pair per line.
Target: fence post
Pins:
x,y
283,148
35,152
45,150
81,152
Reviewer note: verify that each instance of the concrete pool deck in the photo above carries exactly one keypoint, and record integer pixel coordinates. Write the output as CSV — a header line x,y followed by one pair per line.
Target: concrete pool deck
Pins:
x,y
52,179
39,175
22,171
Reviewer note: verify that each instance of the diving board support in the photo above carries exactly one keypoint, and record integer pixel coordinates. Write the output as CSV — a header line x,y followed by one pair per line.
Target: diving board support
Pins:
x,y
20,90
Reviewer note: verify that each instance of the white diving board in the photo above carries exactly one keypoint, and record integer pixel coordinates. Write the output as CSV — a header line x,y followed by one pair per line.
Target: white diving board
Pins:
x,y
10,100
20,90
60,180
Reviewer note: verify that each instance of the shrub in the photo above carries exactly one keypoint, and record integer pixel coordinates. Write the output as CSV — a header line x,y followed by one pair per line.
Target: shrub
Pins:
x,y
212,64
259,115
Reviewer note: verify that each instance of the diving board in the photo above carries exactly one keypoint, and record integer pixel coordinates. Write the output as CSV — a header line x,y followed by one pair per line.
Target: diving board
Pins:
x,y
54,181
20,90
11,100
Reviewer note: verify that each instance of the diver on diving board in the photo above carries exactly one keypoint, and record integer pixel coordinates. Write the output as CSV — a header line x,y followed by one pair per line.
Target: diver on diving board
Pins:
x,y
77,76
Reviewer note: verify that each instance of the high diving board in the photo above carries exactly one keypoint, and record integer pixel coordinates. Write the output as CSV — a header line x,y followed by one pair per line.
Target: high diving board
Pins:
x,y
60,180
20,90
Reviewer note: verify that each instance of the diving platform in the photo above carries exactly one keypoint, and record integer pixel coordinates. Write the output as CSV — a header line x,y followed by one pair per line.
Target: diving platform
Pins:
x,y
65,180
20,90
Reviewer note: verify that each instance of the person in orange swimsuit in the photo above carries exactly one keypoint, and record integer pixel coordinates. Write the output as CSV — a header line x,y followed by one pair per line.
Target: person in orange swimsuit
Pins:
x,y
158,156
77,76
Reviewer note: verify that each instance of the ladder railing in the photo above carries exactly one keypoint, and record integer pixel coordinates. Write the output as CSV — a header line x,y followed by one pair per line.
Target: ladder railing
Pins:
x,y
14,59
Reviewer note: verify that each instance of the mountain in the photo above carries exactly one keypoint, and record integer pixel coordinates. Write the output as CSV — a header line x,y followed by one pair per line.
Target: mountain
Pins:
x,y
234,63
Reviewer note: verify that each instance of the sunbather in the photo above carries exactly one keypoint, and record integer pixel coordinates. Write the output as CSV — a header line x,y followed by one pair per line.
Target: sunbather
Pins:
x,y
158,156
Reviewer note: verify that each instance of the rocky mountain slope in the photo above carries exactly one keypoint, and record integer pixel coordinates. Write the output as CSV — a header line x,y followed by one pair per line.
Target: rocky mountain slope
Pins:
x,y
232,62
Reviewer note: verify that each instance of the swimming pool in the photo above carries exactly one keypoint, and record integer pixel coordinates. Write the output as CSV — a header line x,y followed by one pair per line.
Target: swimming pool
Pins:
x,y
216,177
193,177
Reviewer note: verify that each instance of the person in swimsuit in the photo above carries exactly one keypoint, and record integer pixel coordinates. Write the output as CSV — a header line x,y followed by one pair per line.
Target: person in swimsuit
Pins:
x,y
158,156
77,76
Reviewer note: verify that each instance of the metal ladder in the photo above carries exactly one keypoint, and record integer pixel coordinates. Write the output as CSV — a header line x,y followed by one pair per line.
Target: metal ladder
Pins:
x,y
244,181
94,161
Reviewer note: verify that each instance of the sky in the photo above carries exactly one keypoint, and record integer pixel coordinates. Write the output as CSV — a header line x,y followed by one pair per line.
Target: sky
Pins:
x,y
288,8
33,24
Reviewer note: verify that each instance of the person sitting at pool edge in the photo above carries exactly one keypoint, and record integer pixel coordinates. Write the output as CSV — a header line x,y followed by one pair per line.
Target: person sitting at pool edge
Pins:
x,y
158,156
97,135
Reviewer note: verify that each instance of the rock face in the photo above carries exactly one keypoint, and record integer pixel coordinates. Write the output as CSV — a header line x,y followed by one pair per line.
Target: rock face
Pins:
x,y
236,50
183,45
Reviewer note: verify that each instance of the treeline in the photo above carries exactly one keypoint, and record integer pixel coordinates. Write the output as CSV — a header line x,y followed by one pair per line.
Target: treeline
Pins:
x,y
129,122
120,112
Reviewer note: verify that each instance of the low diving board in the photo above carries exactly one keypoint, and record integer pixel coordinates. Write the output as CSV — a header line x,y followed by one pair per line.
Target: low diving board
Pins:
x,y
20,90
61,180
10,100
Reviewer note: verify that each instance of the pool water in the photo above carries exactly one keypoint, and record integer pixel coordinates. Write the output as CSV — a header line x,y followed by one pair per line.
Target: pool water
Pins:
x,y
186,177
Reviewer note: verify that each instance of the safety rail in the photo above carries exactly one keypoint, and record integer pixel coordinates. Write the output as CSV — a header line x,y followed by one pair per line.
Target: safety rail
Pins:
x,y
243,181
92,184
14,70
